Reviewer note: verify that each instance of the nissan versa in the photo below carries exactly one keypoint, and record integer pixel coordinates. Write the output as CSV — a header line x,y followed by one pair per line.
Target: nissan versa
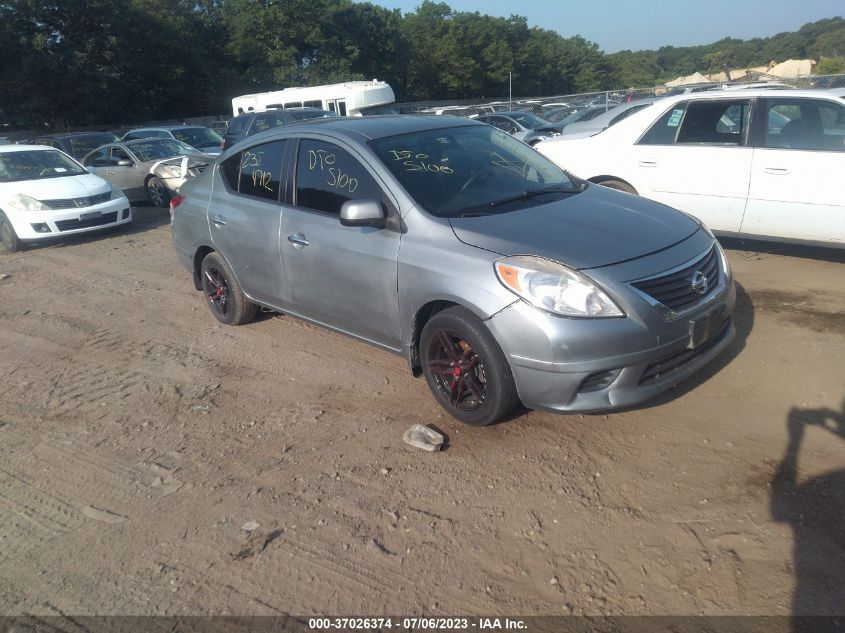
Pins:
x,y
501,278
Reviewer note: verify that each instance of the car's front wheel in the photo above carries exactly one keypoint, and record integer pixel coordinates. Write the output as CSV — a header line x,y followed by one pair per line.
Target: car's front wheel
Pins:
x,y
8,237
466,369
223,292
157,193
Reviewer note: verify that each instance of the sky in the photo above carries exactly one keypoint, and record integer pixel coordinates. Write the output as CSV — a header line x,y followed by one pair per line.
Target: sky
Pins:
x,y
649,24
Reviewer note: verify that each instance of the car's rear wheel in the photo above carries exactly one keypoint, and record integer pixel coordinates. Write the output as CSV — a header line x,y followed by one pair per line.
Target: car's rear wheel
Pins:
x,y
8,237
465,368
619,185
223,292
157,193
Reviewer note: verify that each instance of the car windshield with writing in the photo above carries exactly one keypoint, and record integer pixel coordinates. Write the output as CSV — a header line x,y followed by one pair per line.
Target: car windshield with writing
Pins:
x,y
158,149
198,137
472,170
86,143
37,165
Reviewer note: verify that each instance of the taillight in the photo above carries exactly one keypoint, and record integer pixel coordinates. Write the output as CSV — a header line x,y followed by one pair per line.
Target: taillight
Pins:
x,y
175,201
223,143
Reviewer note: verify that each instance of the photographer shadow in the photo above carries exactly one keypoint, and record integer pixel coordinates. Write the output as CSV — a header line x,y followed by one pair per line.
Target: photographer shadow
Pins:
x,y
815,509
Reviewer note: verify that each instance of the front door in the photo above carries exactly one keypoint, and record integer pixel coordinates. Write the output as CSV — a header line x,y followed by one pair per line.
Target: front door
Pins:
x,y
244,217
341,276
695,158
796,176
125,176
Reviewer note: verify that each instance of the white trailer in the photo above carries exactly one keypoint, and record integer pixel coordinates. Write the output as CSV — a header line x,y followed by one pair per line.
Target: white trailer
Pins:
x,y
353,98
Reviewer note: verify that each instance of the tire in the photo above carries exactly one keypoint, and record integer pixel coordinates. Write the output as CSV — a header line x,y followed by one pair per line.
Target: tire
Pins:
x,y
8,237
157,193
484,391
619,185
223,293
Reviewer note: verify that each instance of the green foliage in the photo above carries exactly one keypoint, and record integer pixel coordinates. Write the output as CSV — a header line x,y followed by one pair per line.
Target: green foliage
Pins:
x,y
73,62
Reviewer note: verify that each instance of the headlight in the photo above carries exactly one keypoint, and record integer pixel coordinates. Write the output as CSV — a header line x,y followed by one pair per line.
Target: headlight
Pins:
x,y
116,192
25,203
726,267
553,287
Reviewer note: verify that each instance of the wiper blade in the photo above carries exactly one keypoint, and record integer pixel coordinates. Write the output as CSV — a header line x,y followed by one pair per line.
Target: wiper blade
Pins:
x,y
533,192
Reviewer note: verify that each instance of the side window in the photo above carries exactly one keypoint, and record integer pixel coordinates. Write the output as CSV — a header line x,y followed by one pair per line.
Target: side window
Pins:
x,y
314,104
100,158
256,171
293,104
237,124
665,129
715,123
809,124
327,176
118,153
503,124
230,170
341,108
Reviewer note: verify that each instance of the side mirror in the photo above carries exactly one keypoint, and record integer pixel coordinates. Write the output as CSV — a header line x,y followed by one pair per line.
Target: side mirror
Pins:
x,y
123,162
362,213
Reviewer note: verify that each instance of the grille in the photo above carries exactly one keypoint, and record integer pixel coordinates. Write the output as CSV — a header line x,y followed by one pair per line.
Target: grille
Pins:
x,y
77,203
597,381
675,291
70,225
665,367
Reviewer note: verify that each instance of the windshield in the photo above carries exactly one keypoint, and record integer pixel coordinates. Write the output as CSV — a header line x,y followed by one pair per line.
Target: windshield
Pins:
x,y
198,136
531,121
82,145
159,148
472,170
37,165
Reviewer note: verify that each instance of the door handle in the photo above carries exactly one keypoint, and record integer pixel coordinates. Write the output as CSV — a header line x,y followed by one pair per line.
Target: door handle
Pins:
x,y
647,163
776,171
298,240
216,220
110,173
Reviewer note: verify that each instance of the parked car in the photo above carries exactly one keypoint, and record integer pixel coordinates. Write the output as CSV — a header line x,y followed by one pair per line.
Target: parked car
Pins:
x,y
250,123
526,126
76,144
556,115
147,169
763,163
584,114
201,138
44,193
607,118
498,276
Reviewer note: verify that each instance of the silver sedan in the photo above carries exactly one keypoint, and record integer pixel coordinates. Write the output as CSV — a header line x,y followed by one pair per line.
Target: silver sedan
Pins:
x,y
150,169
501,278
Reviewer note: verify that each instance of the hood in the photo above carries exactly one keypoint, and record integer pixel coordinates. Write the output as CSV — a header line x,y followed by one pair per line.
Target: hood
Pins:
x,y
56,188
596,227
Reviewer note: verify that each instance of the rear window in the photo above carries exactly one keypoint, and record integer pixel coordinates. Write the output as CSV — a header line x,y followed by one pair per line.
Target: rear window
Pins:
x,y
269,120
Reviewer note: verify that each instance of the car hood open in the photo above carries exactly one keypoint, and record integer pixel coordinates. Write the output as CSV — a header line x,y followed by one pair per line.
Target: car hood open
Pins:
x,y
597,227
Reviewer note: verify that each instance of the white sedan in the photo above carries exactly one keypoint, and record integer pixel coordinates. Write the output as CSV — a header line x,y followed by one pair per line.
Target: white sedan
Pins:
x,y
44,193
763,163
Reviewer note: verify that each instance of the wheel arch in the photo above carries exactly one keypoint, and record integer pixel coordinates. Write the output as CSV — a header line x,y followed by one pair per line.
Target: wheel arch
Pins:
x,y
605,177
421,317
199,255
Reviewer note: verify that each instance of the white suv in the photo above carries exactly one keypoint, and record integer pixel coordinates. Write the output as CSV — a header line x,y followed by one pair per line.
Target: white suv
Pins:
x,y
765,163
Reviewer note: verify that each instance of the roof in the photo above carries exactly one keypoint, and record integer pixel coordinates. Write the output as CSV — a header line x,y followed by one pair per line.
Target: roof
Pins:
x,y
164,128
813,93
375,127
71,134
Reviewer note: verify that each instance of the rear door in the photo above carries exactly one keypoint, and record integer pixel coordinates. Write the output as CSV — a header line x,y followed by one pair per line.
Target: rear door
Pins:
x,y
797,188
244,216
696,158
342,276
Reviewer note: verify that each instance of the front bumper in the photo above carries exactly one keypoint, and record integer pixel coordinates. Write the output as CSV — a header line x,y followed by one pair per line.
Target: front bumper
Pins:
x,y
39,225
562,364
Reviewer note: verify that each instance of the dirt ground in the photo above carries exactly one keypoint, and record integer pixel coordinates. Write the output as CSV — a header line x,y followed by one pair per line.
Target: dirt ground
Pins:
x,y
139,437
